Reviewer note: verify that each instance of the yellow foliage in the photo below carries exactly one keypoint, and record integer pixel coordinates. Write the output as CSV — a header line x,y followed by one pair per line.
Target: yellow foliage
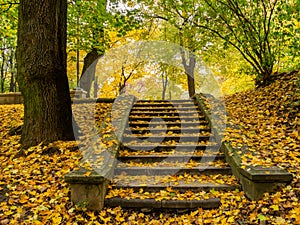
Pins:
x,y
238,83
72,66
33,191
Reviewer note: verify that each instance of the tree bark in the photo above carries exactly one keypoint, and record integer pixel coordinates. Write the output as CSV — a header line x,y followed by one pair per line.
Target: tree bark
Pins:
x,y
12,83
189,71
164,77
42,75
2,77
88,71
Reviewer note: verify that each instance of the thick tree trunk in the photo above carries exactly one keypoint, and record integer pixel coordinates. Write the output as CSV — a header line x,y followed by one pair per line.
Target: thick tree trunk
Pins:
x,y
42,76
88,71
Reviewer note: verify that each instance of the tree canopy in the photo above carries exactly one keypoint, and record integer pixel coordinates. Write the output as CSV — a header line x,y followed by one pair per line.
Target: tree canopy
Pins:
x,y
264,33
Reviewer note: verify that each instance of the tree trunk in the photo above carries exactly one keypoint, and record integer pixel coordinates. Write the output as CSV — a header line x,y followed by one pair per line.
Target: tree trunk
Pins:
x,y
265,78
2,77
12,83
164,77
42,75
189,71
88,71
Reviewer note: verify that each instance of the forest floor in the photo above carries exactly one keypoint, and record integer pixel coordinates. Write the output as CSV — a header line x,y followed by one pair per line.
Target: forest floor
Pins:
x,y
33,191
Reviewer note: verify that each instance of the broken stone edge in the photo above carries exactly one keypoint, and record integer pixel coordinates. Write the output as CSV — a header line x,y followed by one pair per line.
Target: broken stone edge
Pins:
x,y
89,191
255,180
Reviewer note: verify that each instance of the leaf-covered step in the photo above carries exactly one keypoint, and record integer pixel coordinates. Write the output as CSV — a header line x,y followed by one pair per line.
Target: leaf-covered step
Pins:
x,y
164,138
168,152
181,187
176,181
165,147
164,101
176,123
148,144
153,171
168,193
192,118
169,158
165,104
164,204
189,163
175,102
164,109
154,112
176,130
169,134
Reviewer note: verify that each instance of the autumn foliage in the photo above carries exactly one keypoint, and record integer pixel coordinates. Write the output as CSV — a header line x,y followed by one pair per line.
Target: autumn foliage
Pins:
x,y
33,191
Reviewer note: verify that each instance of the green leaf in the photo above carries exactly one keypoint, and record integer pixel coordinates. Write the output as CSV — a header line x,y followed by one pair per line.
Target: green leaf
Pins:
x,y
261,217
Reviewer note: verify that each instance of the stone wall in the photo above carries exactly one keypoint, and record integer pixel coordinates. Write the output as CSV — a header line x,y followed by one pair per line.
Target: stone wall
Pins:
x,y
11,98
17,98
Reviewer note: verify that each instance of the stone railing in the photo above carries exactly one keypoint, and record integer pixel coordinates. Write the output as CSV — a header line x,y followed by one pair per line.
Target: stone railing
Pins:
x,y
90,190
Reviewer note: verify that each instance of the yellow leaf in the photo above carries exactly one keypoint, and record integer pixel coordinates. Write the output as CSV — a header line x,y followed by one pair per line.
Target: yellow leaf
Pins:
x,y
56,219
280,220
275,207
23,199
87,174
231,219
92,216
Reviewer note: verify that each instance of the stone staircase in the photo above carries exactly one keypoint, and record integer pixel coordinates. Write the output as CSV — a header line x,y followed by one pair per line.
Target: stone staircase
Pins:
x,y
169,159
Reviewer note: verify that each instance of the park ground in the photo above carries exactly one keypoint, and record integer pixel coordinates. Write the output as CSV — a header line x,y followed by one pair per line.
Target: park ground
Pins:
x,y
33,191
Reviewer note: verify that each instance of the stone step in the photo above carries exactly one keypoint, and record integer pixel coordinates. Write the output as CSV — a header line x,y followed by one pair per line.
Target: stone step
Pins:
x,y
181,152
194,119
154,171
164,204
168,129
165,104
156,183
157,113
163,138
189,163
170,158
189,124
163,101
178,147
194,187
178,153
167,109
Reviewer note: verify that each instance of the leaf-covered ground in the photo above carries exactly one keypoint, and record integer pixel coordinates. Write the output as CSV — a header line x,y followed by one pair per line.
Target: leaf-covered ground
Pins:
x,y
269,122
32,189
